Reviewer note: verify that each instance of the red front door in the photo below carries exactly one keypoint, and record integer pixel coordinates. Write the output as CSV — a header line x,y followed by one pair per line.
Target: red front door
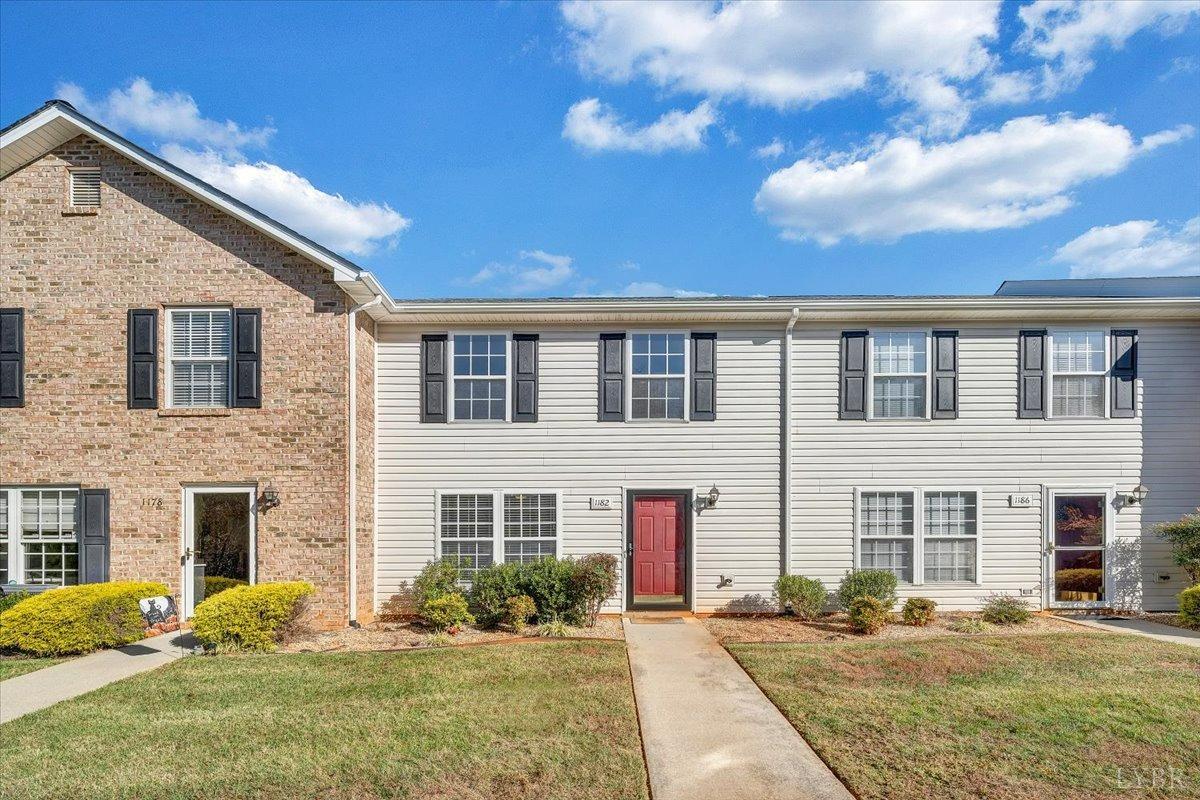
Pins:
x,y
658,549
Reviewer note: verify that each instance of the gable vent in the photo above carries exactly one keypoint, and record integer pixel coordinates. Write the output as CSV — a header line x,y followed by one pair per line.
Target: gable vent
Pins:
x,y
85,187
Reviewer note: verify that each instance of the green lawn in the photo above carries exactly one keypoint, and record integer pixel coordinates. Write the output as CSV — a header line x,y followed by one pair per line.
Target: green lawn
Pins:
x,y
539,720
997,717
12,666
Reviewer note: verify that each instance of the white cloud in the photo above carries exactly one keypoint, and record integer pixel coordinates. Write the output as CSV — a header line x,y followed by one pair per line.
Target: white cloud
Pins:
x,y
791,55
1181,65
1004,178
1169,136
332,220
629,266
1065,33
171,116
1137,247
649,289
523,278
213,151
772,150
596,127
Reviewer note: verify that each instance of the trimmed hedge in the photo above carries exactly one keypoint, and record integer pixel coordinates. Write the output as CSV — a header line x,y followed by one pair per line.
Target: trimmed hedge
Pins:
x,y
804,596
77,619
1189,606
447,613
250,618
215,584
919,611
868,614
1004,609
9,600
562,589
876,583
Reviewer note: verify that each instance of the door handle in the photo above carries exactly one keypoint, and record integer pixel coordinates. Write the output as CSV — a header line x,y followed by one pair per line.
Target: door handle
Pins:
x,y
187,554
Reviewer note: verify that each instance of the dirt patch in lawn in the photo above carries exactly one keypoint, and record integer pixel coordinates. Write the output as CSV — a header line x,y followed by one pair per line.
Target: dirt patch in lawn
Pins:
x,y
413,635
836,628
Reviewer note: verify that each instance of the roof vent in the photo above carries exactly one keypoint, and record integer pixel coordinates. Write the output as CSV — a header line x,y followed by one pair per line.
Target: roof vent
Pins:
x,y
85,187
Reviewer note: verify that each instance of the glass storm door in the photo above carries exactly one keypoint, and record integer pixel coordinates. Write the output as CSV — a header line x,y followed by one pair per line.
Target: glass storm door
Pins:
x,y
1078,566
218,541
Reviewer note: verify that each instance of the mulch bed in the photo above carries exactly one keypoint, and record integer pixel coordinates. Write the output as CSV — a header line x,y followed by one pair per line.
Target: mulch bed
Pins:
x,y
409,635
836,628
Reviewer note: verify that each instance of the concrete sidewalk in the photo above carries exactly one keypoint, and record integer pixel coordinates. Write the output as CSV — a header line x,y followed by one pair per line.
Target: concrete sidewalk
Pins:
x,y
707,729
1141,627
34,691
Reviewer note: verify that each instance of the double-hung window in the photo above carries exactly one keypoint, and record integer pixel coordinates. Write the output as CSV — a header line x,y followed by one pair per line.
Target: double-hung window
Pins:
x,y
1078,363
920,536
658,366
899,375
479,528
38,539
198,362
480,383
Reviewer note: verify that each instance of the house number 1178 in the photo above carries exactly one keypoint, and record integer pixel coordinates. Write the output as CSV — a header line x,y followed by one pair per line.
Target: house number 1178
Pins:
x,y
152,502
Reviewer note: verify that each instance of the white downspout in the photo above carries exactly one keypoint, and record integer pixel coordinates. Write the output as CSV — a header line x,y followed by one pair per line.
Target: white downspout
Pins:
x,y
785,413
352,450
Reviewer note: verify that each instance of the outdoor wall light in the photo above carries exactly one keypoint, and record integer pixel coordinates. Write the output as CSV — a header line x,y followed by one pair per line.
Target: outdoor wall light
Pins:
x,y
1139,494
269,499
709,500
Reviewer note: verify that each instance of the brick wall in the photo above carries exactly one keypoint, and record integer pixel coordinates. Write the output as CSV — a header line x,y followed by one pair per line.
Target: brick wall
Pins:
x,y
151,245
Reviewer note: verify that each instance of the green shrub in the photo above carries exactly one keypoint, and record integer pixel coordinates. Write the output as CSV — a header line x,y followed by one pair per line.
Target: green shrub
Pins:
x,y
969,625
595,581
553,586
447,613
919,611
251,618
441,639
77,619
437,579
1003,609
1184,537
1079,580
491,588
876,583
868,614
804,596
215,584
554,628
9,600
518,610
1189,606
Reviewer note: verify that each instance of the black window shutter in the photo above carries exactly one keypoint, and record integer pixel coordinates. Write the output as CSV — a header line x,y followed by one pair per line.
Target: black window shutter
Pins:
x,y
1031,375
852,391
704,376
93,536
142,356
12,357
247,358
945,375
1123,376
612,377
433,377
525,377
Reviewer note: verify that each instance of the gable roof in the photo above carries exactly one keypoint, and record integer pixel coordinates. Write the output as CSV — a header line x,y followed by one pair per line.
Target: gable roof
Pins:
x,y
57,122
1160,286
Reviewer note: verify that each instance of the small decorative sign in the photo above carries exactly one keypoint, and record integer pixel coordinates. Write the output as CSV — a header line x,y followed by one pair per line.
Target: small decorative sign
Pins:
x,y
1021,501
600,503
160,615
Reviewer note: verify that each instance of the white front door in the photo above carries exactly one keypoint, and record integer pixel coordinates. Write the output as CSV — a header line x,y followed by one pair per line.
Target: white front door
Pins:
x,y
219,540
1077,535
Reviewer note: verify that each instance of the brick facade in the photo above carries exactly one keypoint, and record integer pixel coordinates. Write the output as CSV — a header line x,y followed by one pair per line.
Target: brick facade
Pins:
x,y
151,245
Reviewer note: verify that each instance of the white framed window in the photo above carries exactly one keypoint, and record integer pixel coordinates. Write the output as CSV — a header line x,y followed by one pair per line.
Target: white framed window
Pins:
x,y
479,384
899,384
482,527
84,188
199,341
922,536
38,531
1078,368
657,369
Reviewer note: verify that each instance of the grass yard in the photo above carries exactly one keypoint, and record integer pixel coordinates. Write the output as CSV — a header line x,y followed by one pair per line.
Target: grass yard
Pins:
x,y
537,720
12,666
1054,715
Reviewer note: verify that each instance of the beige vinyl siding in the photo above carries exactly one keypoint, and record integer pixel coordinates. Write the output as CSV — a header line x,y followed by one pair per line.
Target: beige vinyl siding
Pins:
x,y
988,448
568,450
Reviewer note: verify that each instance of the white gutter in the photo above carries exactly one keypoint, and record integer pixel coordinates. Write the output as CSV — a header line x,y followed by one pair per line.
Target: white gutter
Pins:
x,y
785,415
352,452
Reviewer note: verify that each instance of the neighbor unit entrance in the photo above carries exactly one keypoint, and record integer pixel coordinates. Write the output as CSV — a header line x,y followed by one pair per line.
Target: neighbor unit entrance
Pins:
x,y
218,540
657,546
1076,548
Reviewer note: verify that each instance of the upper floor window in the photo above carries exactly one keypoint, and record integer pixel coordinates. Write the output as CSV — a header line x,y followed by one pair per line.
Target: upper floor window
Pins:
x,y
659,376
899,375
480,383
1078,360
38,539
198,363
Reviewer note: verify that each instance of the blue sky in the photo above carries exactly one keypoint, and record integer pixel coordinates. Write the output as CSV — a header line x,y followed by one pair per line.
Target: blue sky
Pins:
x,y
537,149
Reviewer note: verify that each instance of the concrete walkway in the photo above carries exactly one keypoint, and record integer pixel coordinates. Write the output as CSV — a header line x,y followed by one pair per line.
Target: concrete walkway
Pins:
x,y
708,731
1141,627
34,691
